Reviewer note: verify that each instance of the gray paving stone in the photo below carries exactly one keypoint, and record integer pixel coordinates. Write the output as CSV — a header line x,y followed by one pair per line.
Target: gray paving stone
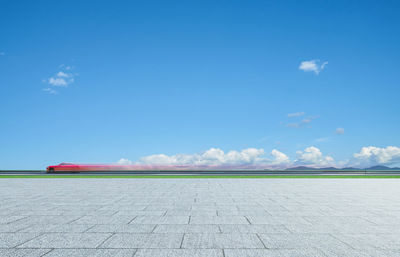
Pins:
x,y
273,253
295,217
263,228
221,241
187,228
23,252
9,218
161,220
116,228
276,220
143,241
300,241
120,219
218,220
368,241
67,228
12,227
9,240
47,219
67,240
91,253
179,253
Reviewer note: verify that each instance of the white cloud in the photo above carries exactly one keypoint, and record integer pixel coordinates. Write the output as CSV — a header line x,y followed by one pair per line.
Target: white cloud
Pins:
x,y
63,78
339,131
313,156
313,66
371,155
124,161
301,123
217,157
213,156
62,74
58,82
50,91
296,114
257,158
279,157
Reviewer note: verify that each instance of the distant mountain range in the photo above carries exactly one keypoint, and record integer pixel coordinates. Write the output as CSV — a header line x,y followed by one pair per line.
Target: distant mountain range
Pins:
x,y
377,167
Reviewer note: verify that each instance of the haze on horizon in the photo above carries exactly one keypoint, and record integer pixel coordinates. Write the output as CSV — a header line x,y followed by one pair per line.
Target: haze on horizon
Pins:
x,y
232,84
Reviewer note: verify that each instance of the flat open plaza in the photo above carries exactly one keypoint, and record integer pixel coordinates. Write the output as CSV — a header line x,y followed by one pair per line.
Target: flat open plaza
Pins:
x,y
199,217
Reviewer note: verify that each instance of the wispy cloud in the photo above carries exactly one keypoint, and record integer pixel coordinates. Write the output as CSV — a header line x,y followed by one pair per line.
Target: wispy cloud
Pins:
x,y
339,131
296,114
62,78
302,122
50,91
313,65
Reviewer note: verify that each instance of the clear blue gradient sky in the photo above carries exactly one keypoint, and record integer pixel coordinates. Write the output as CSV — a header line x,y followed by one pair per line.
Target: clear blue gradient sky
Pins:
x,y
100,81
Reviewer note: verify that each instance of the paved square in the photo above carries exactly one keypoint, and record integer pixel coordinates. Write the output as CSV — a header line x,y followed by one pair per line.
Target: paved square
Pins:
x,y
199,217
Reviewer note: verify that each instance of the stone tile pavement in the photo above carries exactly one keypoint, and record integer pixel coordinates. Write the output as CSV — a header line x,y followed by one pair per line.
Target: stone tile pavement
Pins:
x,y
199,217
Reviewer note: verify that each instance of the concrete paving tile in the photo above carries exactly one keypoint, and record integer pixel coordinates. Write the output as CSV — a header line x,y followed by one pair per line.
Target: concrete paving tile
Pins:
x,y
273,253
161,220
218,220
140,213
66,228
91,253
126,228
242,213
368,241
221,241
179,253
67,240
8,240
190,213
276,220
35,220
23,252
300,241
12,227
9,218
262,228
187,228
143,241
104,220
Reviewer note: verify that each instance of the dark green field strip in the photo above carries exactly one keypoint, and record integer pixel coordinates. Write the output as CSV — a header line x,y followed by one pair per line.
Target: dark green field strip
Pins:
x,y
202,176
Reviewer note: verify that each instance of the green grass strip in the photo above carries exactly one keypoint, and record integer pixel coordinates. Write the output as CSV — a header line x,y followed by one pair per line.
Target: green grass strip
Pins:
x,y
201,176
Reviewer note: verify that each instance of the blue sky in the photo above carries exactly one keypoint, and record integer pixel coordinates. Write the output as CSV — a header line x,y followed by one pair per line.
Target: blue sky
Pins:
x,y
177,82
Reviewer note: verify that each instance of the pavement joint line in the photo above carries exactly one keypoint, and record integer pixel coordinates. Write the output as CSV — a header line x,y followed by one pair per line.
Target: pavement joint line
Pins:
x,y
259,238
86,230
132,220
183,238
247,220
51,249
40,234
75,220
332,235
98,246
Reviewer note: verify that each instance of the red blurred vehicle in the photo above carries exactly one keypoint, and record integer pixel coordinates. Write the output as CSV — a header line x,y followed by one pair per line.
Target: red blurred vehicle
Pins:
x,y
76,168
70,167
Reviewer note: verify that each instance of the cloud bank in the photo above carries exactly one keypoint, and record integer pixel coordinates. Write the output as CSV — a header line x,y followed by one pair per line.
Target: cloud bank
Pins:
x,y
258,158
